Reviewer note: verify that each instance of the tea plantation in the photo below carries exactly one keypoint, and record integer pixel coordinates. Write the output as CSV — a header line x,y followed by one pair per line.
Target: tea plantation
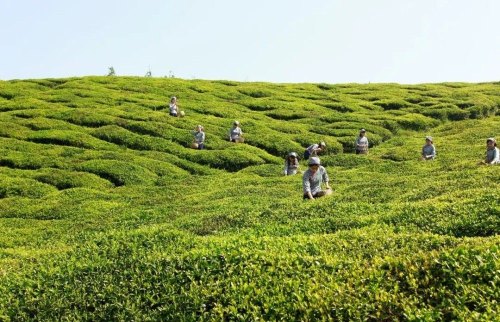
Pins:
x,y
107,214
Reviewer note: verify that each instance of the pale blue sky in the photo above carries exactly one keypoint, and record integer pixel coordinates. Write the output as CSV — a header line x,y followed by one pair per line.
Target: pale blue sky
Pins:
x,y
286,41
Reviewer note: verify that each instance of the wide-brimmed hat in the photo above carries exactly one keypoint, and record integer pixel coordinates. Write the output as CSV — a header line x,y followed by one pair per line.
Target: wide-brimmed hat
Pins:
x,y
236,123
428,138
362,130
314,161
293,154
491,139
322,143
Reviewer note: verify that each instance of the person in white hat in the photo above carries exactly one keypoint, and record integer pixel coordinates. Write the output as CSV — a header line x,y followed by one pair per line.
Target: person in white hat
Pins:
x,y
199,137
492,152
362,143
428,150
314,149
173,106
313,178
291,164
235,133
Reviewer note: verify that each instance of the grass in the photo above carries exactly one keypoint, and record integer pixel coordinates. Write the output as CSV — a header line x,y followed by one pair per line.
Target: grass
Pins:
x,y
107,214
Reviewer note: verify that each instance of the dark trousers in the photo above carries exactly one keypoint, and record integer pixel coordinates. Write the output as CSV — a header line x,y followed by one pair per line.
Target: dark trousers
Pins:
x,y
316,195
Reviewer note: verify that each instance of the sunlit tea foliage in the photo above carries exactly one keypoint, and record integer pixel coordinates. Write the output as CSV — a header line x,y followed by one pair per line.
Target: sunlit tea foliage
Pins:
x,y
108,214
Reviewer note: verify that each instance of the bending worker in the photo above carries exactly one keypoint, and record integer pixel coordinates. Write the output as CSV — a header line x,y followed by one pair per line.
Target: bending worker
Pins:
x,y
312,179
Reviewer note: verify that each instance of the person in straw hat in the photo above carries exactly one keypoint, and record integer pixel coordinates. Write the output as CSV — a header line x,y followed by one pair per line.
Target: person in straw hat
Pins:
x,y
428,150
313,178
235,133
199,138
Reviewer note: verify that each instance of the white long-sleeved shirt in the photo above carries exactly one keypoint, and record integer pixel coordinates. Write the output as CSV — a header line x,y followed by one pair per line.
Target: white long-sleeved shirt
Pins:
x,y
173,108
493,156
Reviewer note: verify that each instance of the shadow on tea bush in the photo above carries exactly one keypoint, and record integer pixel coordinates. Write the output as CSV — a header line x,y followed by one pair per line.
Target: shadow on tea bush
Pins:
x,y
393,104
63,179
119,172
23,187
416,122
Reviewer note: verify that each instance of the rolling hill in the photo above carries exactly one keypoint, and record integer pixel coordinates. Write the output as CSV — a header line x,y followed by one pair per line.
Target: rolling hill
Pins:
x,y
108,214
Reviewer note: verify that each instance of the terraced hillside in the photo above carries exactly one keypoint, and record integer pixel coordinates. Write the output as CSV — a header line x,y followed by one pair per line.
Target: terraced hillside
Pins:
x,y
107,214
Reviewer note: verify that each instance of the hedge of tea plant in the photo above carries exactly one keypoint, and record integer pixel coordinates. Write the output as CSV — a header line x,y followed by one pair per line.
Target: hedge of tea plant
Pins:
x,y
108,214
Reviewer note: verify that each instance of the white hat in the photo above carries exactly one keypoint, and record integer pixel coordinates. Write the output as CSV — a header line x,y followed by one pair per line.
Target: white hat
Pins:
x,y
314,161
236,123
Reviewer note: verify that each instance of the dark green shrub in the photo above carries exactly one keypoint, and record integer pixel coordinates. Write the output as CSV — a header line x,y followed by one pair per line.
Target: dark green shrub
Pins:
x,y
393,104
255,93
326,87
390,125
416,122
23,187
339,107
397,155
259,107
68,138
440,114
348,144
7,95
63,179
482,110
88,118
26,160
231,160
13,130
458,114
446,112
414,99
118,172
287,115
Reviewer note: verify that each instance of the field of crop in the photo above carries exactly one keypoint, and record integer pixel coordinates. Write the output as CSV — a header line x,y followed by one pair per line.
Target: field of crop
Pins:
x,y
107,214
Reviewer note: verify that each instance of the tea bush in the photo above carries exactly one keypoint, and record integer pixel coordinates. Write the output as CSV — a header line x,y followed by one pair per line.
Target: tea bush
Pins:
x,y
119,172
11,187
108,214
